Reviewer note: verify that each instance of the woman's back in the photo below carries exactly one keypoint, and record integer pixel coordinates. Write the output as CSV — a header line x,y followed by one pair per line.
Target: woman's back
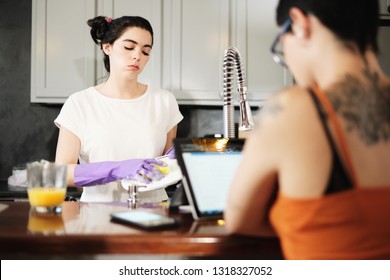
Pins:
x,y
361,135
348,223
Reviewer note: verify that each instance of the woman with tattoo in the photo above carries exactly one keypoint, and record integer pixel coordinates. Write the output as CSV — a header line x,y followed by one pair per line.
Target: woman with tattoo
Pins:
x,y
316,171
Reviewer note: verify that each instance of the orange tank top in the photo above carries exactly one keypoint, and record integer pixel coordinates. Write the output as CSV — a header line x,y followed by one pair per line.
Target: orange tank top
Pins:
x,y
351,224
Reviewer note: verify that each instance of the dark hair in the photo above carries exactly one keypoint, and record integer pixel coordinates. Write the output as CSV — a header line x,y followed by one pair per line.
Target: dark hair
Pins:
x,y
107,30
351,20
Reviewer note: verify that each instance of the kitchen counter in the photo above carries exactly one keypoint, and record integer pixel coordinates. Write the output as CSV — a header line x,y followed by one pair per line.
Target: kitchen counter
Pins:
x,y
85,231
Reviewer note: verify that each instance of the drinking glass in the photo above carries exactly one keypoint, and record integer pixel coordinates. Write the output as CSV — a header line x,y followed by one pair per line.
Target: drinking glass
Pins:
x,y
46,186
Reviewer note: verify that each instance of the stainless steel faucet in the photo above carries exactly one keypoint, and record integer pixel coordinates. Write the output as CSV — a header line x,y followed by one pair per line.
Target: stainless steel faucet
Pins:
x,y
231,61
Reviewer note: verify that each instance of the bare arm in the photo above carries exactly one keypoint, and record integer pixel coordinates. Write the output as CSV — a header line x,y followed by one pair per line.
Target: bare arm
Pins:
x,y
255,183
68,150
170,136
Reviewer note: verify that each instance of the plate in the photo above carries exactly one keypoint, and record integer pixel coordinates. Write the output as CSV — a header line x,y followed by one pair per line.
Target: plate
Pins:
x,y
172,177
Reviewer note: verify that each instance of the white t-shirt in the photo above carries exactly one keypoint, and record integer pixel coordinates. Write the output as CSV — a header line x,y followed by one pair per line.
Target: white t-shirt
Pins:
x,y
116,129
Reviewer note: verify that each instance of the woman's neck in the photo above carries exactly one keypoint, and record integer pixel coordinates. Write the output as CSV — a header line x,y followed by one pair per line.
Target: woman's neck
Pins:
x,y
334,66
121,89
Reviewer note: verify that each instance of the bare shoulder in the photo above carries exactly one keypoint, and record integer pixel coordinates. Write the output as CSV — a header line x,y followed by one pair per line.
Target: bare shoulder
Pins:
x,y
293,139
288,123
285,107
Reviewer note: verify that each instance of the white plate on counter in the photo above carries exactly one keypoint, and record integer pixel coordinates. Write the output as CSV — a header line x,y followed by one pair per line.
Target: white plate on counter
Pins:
x,y
171,178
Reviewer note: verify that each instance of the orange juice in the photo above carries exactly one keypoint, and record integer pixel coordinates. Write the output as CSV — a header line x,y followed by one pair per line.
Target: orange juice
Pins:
x,y
46,197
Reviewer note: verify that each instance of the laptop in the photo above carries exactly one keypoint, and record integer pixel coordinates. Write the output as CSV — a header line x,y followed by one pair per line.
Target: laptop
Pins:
x,y
208,166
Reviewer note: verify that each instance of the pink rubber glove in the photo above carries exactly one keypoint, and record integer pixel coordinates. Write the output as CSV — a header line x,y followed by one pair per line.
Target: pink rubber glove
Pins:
x,y
99,173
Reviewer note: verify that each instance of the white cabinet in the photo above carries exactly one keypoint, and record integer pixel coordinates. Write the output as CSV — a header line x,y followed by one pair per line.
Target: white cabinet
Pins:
x,y
197,33
190,39
62,54
255,30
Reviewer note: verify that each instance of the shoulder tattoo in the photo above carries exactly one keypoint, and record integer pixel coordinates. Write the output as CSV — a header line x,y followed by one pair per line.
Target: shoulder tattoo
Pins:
x,y
272,107
270,110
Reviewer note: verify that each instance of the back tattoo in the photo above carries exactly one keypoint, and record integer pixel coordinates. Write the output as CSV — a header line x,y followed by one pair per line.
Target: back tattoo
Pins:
x,y
364,106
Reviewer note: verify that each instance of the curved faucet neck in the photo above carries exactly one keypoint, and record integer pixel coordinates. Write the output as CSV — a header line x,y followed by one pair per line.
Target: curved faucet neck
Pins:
x,y
232,61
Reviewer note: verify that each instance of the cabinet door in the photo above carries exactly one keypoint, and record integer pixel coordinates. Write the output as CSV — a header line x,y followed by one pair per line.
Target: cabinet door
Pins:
x,y
255,30
196,33
62,52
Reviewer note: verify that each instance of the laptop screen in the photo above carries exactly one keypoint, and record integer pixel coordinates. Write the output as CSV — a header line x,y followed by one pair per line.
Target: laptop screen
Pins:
x,y
208,167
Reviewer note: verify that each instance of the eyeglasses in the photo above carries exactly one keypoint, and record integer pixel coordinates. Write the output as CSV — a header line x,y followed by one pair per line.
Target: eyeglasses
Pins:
x,y
277,53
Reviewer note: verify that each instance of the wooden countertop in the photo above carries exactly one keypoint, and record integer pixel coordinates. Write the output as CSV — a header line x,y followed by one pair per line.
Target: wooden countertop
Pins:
x,y
85,229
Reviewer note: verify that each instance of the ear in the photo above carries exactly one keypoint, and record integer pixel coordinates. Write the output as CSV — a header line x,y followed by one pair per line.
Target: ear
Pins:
x,y
106,47
301,26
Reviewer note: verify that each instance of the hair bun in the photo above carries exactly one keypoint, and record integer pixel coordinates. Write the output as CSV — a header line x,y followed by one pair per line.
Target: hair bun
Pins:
x,y
99,27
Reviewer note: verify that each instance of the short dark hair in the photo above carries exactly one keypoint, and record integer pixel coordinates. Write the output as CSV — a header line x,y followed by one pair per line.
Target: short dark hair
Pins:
x,y
354,21
107,30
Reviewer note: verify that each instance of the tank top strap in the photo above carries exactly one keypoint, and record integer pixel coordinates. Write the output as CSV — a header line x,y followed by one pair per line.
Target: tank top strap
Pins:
x,y
339,132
